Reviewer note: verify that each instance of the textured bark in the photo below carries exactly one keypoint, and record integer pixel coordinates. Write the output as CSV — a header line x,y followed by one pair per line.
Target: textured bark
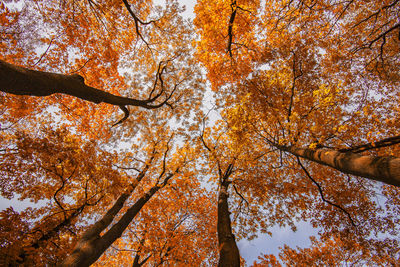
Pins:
x,y
383,169
228,250
95,230
90,248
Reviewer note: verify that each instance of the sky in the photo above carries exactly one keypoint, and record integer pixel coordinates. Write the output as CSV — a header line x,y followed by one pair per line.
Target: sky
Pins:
x,y
266,244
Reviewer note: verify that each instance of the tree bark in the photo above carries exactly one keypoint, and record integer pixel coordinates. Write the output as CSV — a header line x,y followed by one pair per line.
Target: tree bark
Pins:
x,y
22,81
95,230
93,233
89,248
382,169
228,250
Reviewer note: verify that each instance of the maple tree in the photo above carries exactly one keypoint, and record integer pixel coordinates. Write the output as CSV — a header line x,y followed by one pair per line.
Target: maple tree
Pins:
x,y
303,125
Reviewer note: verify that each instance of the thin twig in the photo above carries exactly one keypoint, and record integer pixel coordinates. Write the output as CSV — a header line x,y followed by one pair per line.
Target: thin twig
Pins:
x,y
240,195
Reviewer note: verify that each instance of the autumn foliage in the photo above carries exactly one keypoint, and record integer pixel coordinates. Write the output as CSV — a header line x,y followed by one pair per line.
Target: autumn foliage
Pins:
x,y
134,136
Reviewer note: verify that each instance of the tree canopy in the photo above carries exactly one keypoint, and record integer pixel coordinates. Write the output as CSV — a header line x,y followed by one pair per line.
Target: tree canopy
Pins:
x,y
250,115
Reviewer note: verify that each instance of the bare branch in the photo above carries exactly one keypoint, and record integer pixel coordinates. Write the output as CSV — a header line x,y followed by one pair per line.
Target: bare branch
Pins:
x,y
127,168
390,141
45,52
240,195
23,81
230,27
137,22
295,77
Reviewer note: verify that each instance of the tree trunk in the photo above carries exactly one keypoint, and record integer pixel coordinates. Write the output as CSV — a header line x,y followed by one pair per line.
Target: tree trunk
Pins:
x,y
228,250
95,230
89,248
383,169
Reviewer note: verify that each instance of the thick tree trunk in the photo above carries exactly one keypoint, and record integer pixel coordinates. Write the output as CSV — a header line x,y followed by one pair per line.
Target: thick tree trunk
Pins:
x,y
22,81
93,233
383,169
91,246
95,230
228,250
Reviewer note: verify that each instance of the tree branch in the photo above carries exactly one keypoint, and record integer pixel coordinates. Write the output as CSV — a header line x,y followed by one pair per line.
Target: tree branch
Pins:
x,y
23,81
322,194
230,27
137,22
373,145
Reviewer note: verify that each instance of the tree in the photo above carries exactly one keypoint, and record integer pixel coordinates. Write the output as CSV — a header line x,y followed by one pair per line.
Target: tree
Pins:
x,y
21,81
306,79
300,89
298,86
161,77
174,228
70,175
224,165
93,243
